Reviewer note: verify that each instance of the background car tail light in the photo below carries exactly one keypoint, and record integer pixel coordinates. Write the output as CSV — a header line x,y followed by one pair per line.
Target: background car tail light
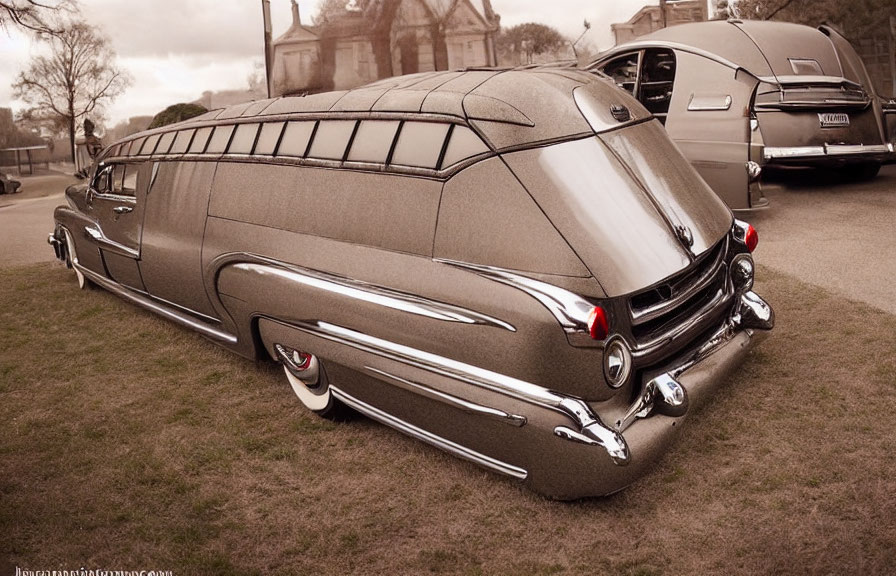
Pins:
x,y
597,323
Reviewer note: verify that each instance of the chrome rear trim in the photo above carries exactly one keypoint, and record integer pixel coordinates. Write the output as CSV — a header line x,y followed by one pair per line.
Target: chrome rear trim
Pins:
x,y
706,277
828,150
371,293
165,311
454,401
587,423
429,437
570,310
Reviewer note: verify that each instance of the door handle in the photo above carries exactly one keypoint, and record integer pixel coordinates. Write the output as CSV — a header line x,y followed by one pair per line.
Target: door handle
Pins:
x,y
122,209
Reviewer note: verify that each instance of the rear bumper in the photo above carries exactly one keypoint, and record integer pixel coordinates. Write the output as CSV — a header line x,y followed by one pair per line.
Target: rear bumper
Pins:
x,y
828,154
649,425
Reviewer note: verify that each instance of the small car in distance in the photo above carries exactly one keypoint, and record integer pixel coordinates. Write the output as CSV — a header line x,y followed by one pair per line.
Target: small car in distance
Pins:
x,y
741,95
8,185
517,267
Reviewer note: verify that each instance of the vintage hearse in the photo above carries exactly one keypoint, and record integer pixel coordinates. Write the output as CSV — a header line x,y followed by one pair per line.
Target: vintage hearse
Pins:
x,y
741,95
515,266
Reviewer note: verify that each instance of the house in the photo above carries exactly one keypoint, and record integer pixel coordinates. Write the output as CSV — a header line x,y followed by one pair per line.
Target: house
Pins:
x,y
366,41
651,18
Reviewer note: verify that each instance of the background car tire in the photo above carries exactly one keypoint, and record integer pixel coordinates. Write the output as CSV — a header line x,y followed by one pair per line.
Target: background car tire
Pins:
x,y
862,172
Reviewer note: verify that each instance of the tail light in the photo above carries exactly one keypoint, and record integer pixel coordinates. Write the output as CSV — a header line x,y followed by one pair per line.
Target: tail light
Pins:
x,y
746,234
598,326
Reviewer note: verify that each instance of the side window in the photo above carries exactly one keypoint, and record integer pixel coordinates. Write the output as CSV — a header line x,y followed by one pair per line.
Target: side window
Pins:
x,y
268,138
150,145
182,141
220,139
243,139
295,138
623,71
464,143
373,141
102,182
331,139
420,144
165,143
657,78
128,179
197,146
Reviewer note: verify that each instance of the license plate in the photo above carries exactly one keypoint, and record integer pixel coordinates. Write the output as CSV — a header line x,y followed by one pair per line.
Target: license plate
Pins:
x,y
833,120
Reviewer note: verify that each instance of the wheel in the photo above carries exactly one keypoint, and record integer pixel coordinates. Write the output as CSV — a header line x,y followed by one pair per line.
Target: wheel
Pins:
x,y
308,379
862,172
71,258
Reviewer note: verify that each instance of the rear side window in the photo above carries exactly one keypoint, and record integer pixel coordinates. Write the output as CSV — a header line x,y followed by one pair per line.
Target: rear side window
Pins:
x,y
165,142
182,141
463,144
331,139
149,145
220,139
420,144
268,138
295,138
200,140
373,141
243,139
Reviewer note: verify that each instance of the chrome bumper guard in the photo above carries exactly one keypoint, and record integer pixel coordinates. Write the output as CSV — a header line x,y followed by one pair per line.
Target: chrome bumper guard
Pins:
x,y
664,394
831,151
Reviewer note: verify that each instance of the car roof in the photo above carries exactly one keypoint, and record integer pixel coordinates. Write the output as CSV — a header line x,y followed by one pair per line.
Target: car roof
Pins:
x,y
763,48
510,106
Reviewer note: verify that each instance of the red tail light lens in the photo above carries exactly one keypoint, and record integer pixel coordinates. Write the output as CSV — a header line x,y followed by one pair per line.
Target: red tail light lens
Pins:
x,y
597,323
751,238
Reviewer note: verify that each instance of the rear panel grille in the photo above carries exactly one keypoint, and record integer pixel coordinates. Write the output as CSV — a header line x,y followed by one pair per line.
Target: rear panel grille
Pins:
x,y
666,310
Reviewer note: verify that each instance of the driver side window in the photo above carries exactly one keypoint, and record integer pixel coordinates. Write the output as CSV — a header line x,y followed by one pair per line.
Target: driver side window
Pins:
x,y
117,179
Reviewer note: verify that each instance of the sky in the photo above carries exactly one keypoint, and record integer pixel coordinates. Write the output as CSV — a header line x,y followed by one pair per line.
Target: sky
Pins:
x,y
174,50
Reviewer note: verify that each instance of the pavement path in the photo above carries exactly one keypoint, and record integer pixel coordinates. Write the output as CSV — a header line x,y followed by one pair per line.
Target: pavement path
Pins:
x,y
26,218
838,235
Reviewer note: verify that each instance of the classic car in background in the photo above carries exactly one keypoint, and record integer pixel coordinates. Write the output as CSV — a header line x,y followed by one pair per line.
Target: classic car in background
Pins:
x,y
737,96
8,185
515,266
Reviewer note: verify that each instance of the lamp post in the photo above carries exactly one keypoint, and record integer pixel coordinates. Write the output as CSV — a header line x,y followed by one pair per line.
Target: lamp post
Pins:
x,y
268,57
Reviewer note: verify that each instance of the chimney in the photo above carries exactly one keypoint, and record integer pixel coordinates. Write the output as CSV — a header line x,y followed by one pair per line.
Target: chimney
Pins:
x,y
296,17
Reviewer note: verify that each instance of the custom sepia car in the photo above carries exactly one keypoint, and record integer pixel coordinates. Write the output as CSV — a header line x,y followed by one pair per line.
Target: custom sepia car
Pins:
x,y
517,267
737,96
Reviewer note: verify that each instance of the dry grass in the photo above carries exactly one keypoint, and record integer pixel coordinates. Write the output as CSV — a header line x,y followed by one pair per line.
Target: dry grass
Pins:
x,y
129,443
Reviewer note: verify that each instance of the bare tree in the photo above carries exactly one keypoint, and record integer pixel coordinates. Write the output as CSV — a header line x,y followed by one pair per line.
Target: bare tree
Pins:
x,y
29,14
76,77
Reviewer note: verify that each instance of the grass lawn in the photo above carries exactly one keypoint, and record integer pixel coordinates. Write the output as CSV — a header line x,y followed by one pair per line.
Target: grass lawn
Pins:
x,y
129,443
